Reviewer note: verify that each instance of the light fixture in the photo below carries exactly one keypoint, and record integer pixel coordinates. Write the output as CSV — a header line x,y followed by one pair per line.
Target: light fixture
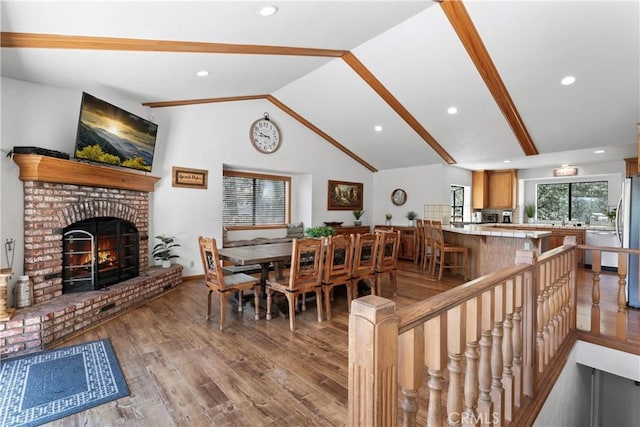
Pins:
x,y
506,161
599,151
452,110
568,80
202,73
267,10
377,128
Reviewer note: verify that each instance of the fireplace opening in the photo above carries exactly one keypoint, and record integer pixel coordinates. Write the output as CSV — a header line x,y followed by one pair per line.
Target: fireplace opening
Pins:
x,y
97,253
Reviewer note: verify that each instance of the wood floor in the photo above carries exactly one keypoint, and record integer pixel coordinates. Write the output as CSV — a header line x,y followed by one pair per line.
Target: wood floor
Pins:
x,y
183,371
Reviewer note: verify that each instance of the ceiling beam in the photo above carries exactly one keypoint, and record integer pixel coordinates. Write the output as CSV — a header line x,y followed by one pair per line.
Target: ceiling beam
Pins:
x,y
468,34
318,131
277,103
56,41
393,102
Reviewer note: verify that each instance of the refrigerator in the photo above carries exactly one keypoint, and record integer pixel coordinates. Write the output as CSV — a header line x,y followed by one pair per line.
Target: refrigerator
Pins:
x,y
628,229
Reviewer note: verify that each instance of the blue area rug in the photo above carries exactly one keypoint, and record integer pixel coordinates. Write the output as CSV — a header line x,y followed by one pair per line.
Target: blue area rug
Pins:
x,y
42,387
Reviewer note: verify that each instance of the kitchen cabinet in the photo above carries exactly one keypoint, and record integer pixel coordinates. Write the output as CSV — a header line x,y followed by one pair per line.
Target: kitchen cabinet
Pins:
x,y
407,240
494,189
633,167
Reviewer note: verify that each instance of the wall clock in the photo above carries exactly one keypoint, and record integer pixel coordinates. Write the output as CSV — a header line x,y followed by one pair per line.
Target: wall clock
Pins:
x,y
265,135
398,197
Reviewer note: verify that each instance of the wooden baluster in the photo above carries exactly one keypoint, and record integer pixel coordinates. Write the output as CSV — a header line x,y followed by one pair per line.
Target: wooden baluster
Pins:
x,y
621,318
517,342
473,321
485,405
410,372
595,292
540,324
434,332
507,350
553,306
455,343
373,362
530,329
497,360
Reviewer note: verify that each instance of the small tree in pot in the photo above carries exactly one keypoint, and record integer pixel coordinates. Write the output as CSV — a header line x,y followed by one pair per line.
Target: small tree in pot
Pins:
x,y
163,251
357,214
411,216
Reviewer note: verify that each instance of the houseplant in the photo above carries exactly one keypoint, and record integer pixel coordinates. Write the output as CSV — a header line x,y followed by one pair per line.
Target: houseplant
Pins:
x,y
163,251
387,219
530,211
357,214
411,216
320,231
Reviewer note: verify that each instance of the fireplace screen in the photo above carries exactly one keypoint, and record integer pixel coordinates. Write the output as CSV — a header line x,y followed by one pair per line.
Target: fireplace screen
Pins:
x,y
97,253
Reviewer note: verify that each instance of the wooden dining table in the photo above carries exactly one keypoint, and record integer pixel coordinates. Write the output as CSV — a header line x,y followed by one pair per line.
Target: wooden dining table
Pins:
x,y
264,255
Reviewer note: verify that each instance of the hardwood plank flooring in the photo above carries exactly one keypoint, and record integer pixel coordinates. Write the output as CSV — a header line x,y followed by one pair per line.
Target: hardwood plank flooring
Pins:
x,y
183,371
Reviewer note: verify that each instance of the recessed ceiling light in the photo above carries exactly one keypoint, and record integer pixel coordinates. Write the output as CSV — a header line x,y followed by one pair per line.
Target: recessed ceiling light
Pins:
x,y
599,151
377,128
564,166
452,110
202,73
267,10
568,80
506,161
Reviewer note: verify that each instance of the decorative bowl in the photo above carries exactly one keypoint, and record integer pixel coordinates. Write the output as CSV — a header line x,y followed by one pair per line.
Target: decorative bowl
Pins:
x,y
333,224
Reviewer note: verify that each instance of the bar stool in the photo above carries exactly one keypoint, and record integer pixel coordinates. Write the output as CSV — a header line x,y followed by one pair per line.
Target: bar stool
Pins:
x,y
442,249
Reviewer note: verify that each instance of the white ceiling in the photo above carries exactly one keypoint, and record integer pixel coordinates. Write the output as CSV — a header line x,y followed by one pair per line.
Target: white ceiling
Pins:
x,y
410,47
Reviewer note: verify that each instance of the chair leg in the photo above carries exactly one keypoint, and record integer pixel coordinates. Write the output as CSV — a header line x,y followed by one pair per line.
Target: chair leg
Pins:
x,y
292,311
303,307
378,285
269,297
327,301
256,301
319,303
223,309
443,259
394,282
209,305
372,285
349,295
240,301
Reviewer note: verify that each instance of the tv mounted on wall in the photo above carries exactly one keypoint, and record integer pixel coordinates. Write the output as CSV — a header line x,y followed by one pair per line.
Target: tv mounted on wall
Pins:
x,y
111,135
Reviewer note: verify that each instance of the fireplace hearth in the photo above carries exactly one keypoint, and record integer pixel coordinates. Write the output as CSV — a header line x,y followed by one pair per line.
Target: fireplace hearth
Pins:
x,y
98,252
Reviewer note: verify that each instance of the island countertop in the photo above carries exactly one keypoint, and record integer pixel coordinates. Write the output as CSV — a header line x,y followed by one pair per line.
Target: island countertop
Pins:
x,y
496,231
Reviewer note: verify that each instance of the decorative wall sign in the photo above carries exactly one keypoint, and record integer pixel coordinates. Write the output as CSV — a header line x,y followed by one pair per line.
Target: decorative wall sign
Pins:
x,y
189,178
565,171
344,196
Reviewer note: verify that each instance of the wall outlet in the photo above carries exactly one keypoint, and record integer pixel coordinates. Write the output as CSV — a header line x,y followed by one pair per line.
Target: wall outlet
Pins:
x,y
192,264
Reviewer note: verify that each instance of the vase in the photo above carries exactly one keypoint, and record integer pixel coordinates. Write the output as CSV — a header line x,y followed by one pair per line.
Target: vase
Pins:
x,y
357,223
412,223
166,263
387,222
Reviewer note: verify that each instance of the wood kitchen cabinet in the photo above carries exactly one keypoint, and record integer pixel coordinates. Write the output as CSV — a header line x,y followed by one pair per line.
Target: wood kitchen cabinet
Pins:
x,y
494,189
633,167
407,240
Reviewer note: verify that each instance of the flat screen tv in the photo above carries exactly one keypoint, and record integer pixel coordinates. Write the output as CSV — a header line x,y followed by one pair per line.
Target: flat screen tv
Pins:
x,y
111,135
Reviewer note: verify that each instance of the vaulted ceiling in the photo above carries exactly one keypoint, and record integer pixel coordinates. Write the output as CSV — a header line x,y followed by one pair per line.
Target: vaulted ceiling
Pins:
x,y
343,67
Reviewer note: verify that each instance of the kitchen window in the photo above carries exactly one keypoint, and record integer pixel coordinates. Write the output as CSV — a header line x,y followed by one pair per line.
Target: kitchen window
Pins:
x,y
252,200
575,201
457,203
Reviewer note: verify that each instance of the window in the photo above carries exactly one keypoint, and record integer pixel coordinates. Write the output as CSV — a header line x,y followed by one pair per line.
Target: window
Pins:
x,y
255,200
457,203
574,201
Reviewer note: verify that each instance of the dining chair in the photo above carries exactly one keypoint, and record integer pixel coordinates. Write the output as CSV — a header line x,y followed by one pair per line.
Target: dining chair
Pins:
x,y
419,241
427,246
337,268
387,260
364,261
446,255
224,284
305,275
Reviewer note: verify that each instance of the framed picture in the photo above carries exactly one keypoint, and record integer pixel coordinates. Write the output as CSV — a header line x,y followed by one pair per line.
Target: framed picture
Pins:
x,y
344,196
189,178
398,197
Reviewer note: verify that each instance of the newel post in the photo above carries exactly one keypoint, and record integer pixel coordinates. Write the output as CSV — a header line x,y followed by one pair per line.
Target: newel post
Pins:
x,y
373,362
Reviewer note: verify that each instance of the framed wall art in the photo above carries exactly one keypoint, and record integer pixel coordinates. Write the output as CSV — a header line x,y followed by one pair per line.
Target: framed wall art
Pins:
x,y
344,196
189,178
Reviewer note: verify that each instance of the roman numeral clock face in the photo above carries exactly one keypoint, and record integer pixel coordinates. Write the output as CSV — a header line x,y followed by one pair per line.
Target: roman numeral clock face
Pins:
x,y
265,135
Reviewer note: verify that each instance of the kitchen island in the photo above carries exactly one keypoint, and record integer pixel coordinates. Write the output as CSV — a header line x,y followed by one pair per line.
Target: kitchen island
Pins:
x,y
493,247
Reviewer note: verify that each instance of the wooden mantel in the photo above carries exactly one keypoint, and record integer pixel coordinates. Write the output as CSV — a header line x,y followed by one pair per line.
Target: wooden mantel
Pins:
x,y
34,167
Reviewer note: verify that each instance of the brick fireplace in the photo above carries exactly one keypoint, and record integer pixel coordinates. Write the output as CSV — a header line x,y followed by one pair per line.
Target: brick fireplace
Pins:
x,y
58,193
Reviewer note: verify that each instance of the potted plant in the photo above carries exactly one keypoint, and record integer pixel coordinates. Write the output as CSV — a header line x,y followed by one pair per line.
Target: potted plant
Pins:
x,y
530,211
163,251
387,219
320,231
411,216
357,214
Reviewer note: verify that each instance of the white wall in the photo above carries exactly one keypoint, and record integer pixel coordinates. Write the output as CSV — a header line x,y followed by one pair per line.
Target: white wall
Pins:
x,y
429,184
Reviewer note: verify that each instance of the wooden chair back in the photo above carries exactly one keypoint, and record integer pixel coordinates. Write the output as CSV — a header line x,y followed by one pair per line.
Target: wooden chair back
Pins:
x,y
307,260
388,249
365,255
338,258
437,237
213,272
